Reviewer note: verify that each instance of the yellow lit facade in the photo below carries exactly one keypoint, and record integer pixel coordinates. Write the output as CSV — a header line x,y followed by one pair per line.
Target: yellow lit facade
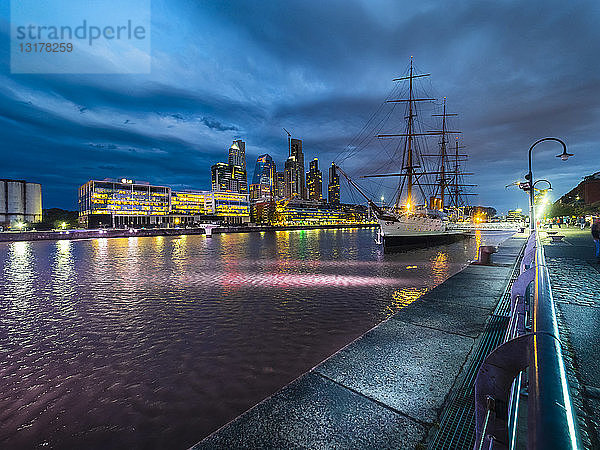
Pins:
x,y
189,202
315,213
231,205
123,198
126,203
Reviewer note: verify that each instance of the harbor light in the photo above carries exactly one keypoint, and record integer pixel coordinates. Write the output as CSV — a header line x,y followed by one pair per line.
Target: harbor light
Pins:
x,y
529,176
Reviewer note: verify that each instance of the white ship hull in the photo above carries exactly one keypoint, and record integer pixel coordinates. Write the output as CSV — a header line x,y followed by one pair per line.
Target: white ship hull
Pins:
x,y
416,231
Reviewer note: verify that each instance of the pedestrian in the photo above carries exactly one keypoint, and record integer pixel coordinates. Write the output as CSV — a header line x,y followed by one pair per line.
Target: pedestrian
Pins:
x,y
596,235
581,223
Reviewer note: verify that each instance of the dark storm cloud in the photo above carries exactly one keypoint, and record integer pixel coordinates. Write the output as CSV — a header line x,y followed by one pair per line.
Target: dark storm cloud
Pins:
x,y
514,71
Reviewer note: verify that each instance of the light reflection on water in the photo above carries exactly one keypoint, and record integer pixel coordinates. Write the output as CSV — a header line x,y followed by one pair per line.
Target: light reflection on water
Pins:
x,y
156,342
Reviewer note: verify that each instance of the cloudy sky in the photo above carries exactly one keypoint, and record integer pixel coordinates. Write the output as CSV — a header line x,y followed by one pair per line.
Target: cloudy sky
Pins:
x,y
515,71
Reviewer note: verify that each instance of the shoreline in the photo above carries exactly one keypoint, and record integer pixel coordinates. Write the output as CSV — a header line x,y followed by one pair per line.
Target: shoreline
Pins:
x,y
11,236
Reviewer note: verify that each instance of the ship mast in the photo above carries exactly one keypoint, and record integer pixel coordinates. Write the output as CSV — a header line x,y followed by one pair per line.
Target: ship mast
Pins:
x,y
409,167
443,181
443,157
409,175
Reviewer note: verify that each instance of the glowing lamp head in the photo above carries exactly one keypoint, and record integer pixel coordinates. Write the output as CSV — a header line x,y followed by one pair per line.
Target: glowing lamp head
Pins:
x,y
564,155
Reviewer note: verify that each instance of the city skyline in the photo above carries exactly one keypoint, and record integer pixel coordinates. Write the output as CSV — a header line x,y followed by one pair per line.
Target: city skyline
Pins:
x,y
509,88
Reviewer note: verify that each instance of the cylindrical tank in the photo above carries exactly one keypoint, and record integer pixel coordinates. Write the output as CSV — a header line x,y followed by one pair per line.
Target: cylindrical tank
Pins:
x,y
2,200
20,201
33,202
16,200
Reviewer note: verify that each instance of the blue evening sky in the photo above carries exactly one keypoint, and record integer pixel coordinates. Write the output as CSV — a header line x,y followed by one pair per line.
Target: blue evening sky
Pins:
x,y
220,70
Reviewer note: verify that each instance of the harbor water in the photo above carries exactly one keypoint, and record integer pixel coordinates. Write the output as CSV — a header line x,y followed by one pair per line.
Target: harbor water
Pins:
x,y
155,342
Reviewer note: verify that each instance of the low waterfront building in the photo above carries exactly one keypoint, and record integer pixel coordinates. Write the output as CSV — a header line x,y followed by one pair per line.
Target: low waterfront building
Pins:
x,y
299,212
189,202
20,202
117,203
125,203
227,207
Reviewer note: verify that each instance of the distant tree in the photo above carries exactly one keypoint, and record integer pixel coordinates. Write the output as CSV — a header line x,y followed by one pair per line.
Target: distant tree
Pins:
x,y
55,218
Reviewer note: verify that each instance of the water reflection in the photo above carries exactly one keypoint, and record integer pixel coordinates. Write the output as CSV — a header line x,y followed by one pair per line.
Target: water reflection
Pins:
x,y
439,267
158,341
63,277
19,272
478,241
404,297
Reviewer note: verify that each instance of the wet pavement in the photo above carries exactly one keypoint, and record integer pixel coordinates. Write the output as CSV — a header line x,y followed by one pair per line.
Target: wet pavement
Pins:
x,y
575,277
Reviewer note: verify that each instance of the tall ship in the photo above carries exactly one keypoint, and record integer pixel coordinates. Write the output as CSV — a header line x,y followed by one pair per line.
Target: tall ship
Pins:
x,y
430,192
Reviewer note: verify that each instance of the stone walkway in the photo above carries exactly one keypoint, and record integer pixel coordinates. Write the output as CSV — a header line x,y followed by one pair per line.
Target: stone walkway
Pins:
x,y
575,279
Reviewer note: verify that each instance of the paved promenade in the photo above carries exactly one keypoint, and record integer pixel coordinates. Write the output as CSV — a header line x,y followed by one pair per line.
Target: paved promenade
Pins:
x,y
387,388
575,279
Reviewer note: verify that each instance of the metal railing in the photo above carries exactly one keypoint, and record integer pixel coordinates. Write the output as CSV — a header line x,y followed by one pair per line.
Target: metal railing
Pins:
x,y
530,358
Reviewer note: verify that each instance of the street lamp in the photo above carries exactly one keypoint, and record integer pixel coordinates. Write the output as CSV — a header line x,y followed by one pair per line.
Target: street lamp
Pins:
x,y
529,177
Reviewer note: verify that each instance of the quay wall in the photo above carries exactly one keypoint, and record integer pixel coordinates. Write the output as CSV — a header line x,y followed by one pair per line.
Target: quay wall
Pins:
x,y
9,236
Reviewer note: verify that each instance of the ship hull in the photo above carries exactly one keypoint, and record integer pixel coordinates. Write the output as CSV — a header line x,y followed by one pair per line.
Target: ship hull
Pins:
x,y
393,243
416,232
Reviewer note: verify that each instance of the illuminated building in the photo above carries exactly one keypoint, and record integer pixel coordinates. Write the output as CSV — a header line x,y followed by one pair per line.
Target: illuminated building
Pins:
x,y
264,171
334,186
228,177
515,215
20,202
259,191
122,203
188,202
295,185
229,207
314,181
231,176
306,212
237,154
585,193
125,203
279,188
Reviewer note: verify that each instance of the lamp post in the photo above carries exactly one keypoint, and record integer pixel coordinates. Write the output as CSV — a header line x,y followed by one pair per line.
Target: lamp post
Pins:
x,y
529,177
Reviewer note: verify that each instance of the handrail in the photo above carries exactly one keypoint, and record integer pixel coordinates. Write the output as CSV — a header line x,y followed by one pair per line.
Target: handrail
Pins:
x,y
551,419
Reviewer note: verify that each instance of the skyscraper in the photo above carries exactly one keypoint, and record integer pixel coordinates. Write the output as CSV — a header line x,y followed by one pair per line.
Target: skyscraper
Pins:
x,y
295,184
279,184
314,181
231,176
228,177
237,154
299,182
290,179
334,186
264,171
